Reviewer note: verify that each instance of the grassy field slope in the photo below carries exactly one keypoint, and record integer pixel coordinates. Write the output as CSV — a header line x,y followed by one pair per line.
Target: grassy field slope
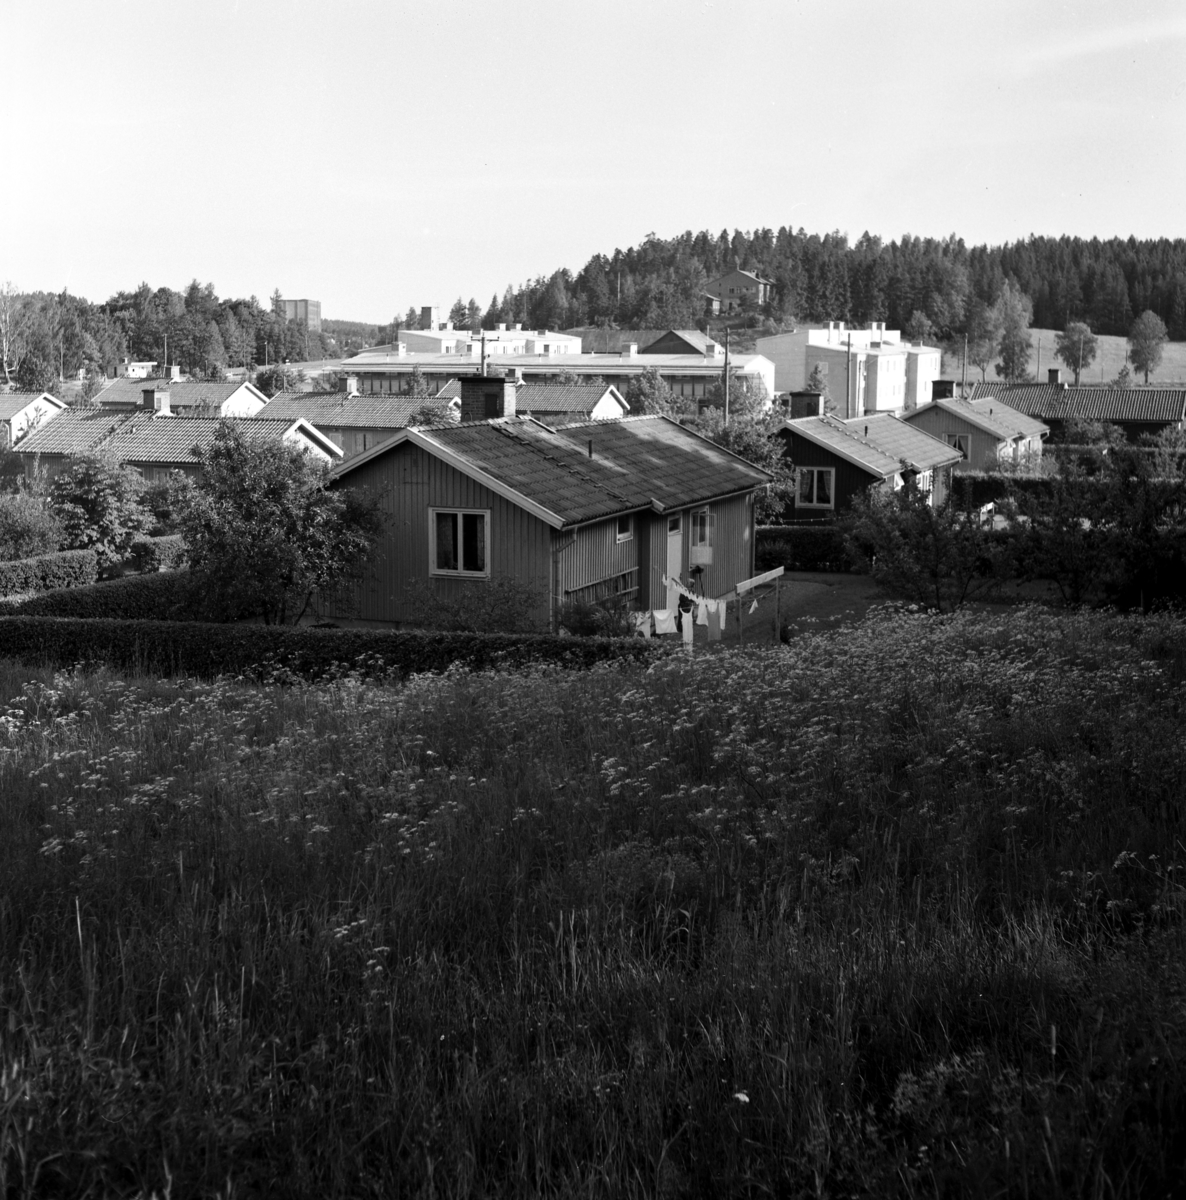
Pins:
x,y
895,911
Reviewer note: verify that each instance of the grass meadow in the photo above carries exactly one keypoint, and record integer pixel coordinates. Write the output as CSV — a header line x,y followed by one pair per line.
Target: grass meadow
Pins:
x,y
894,911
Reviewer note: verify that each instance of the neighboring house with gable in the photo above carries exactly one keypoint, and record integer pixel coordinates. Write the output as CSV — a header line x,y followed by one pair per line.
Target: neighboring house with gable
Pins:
x,y
576,512
1136,410
836,460
564,403
231,398
685,341
356,423
22,412
155,443
735,287
984,431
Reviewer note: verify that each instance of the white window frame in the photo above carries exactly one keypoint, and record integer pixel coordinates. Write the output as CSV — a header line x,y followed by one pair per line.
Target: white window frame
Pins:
x,y
442,572
628,535
801,503
954,440
702,535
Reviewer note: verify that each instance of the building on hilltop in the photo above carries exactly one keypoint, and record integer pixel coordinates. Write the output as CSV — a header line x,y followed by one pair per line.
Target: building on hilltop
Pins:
x,y
307,312
578,512
866,370
735,288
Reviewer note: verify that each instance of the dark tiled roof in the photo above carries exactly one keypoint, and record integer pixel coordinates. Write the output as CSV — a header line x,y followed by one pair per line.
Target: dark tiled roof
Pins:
x,y
140,437
336,410
127,392
880,444
577,399
1055,402
698,343
635,462
451,391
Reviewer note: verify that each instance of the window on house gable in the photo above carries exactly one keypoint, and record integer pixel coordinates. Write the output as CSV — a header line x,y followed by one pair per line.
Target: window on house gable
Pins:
x,y
959,441
460,542
703,535
815,487
625,528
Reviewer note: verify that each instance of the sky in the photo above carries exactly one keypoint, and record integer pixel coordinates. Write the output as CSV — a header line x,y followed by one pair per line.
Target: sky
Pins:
x,y
375,154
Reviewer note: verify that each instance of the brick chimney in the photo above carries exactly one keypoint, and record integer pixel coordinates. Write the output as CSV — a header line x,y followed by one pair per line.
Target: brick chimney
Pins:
x,y
487,397
155,400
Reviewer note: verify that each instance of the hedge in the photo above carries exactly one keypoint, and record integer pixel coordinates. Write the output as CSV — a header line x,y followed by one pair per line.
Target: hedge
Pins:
x,y
63,569
800,548
205,650
133,597
977,488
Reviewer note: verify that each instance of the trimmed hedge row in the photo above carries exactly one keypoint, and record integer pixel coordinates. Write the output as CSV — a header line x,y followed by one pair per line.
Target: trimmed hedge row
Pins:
x,y
205,650
800,548
977,488
63,569
159,596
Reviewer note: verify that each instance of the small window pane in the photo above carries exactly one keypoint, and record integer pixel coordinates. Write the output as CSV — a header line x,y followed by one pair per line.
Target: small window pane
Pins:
x,y
823,487
446,539
806,483
473,529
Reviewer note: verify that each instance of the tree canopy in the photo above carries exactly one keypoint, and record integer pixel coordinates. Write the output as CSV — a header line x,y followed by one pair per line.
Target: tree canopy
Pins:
x,y
1076,346
1146,339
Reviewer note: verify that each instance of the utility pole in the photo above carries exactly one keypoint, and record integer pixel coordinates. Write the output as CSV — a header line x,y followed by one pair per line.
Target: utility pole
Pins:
x,y
1038,373
848,380
727,376
964,382
483,368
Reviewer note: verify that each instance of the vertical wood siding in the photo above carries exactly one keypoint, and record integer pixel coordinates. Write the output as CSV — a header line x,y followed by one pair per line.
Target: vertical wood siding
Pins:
x,y
938,422
409,482
849,480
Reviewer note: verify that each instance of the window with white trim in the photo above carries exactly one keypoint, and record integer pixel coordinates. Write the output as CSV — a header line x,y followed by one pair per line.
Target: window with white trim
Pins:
x,y
459,542
960,442
625,528
703,535
816,488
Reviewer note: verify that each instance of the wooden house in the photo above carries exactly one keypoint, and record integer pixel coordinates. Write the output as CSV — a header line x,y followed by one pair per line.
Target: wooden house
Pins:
x,y
836,460
1136,410
208,398
155,444
576,512
985,431
563,403
22,412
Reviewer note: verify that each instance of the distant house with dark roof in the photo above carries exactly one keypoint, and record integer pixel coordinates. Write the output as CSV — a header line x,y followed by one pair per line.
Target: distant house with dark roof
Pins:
x,y
684,341
356,423
565,403
232,398
1137,410
156,444
21,412
985,431
572,513
735,287
836,460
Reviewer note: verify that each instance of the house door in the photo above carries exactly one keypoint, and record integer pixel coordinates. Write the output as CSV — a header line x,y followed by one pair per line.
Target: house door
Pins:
x,y
675,556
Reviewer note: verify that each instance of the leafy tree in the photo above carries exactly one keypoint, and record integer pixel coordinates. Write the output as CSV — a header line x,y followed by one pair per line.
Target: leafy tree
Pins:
x,y
648,393
97,502
1013,313
434,412
412,318
27,526
265,535
1146,339
817,381
752,434
12,329
459,313
920,329
1123,377
277,378
418,386
984,336
1076,347
473,316
938,556
37,374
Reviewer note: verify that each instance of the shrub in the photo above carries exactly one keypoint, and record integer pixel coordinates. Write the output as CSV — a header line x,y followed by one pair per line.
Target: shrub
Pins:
x,y
165,553
135,597
27,527
97,500
800,548
69,569
504,604
205,650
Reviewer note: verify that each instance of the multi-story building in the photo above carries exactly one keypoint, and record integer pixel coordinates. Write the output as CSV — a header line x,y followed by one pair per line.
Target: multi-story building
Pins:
x,y
442,338
733,289
866,370
307,312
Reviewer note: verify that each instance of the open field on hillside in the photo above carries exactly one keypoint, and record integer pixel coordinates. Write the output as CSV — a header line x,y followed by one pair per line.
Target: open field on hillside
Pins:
x,y
896,911
1110,357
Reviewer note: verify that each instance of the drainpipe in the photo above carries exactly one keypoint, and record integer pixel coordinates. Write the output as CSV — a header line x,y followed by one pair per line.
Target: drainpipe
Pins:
x,y
558,548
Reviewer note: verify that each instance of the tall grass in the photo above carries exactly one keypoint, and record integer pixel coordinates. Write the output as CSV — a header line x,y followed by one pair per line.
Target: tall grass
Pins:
x,y
890,912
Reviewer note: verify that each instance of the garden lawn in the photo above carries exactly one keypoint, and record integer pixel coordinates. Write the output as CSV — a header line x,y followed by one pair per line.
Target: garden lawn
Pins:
x,y
895,910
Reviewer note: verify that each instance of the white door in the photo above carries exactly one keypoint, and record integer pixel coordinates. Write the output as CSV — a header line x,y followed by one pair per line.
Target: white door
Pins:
x,y
675,556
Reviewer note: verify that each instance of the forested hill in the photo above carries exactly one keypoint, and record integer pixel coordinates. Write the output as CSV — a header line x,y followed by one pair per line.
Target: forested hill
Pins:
x,y
657,284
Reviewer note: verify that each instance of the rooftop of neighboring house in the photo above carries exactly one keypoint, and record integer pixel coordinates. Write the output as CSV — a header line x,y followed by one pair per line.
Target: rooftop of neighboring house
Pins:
x,y
1060,402
12,403
148,437
209,394
340,410
696,342
738,271
585,471
880,443
597,364
989,414
574,398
